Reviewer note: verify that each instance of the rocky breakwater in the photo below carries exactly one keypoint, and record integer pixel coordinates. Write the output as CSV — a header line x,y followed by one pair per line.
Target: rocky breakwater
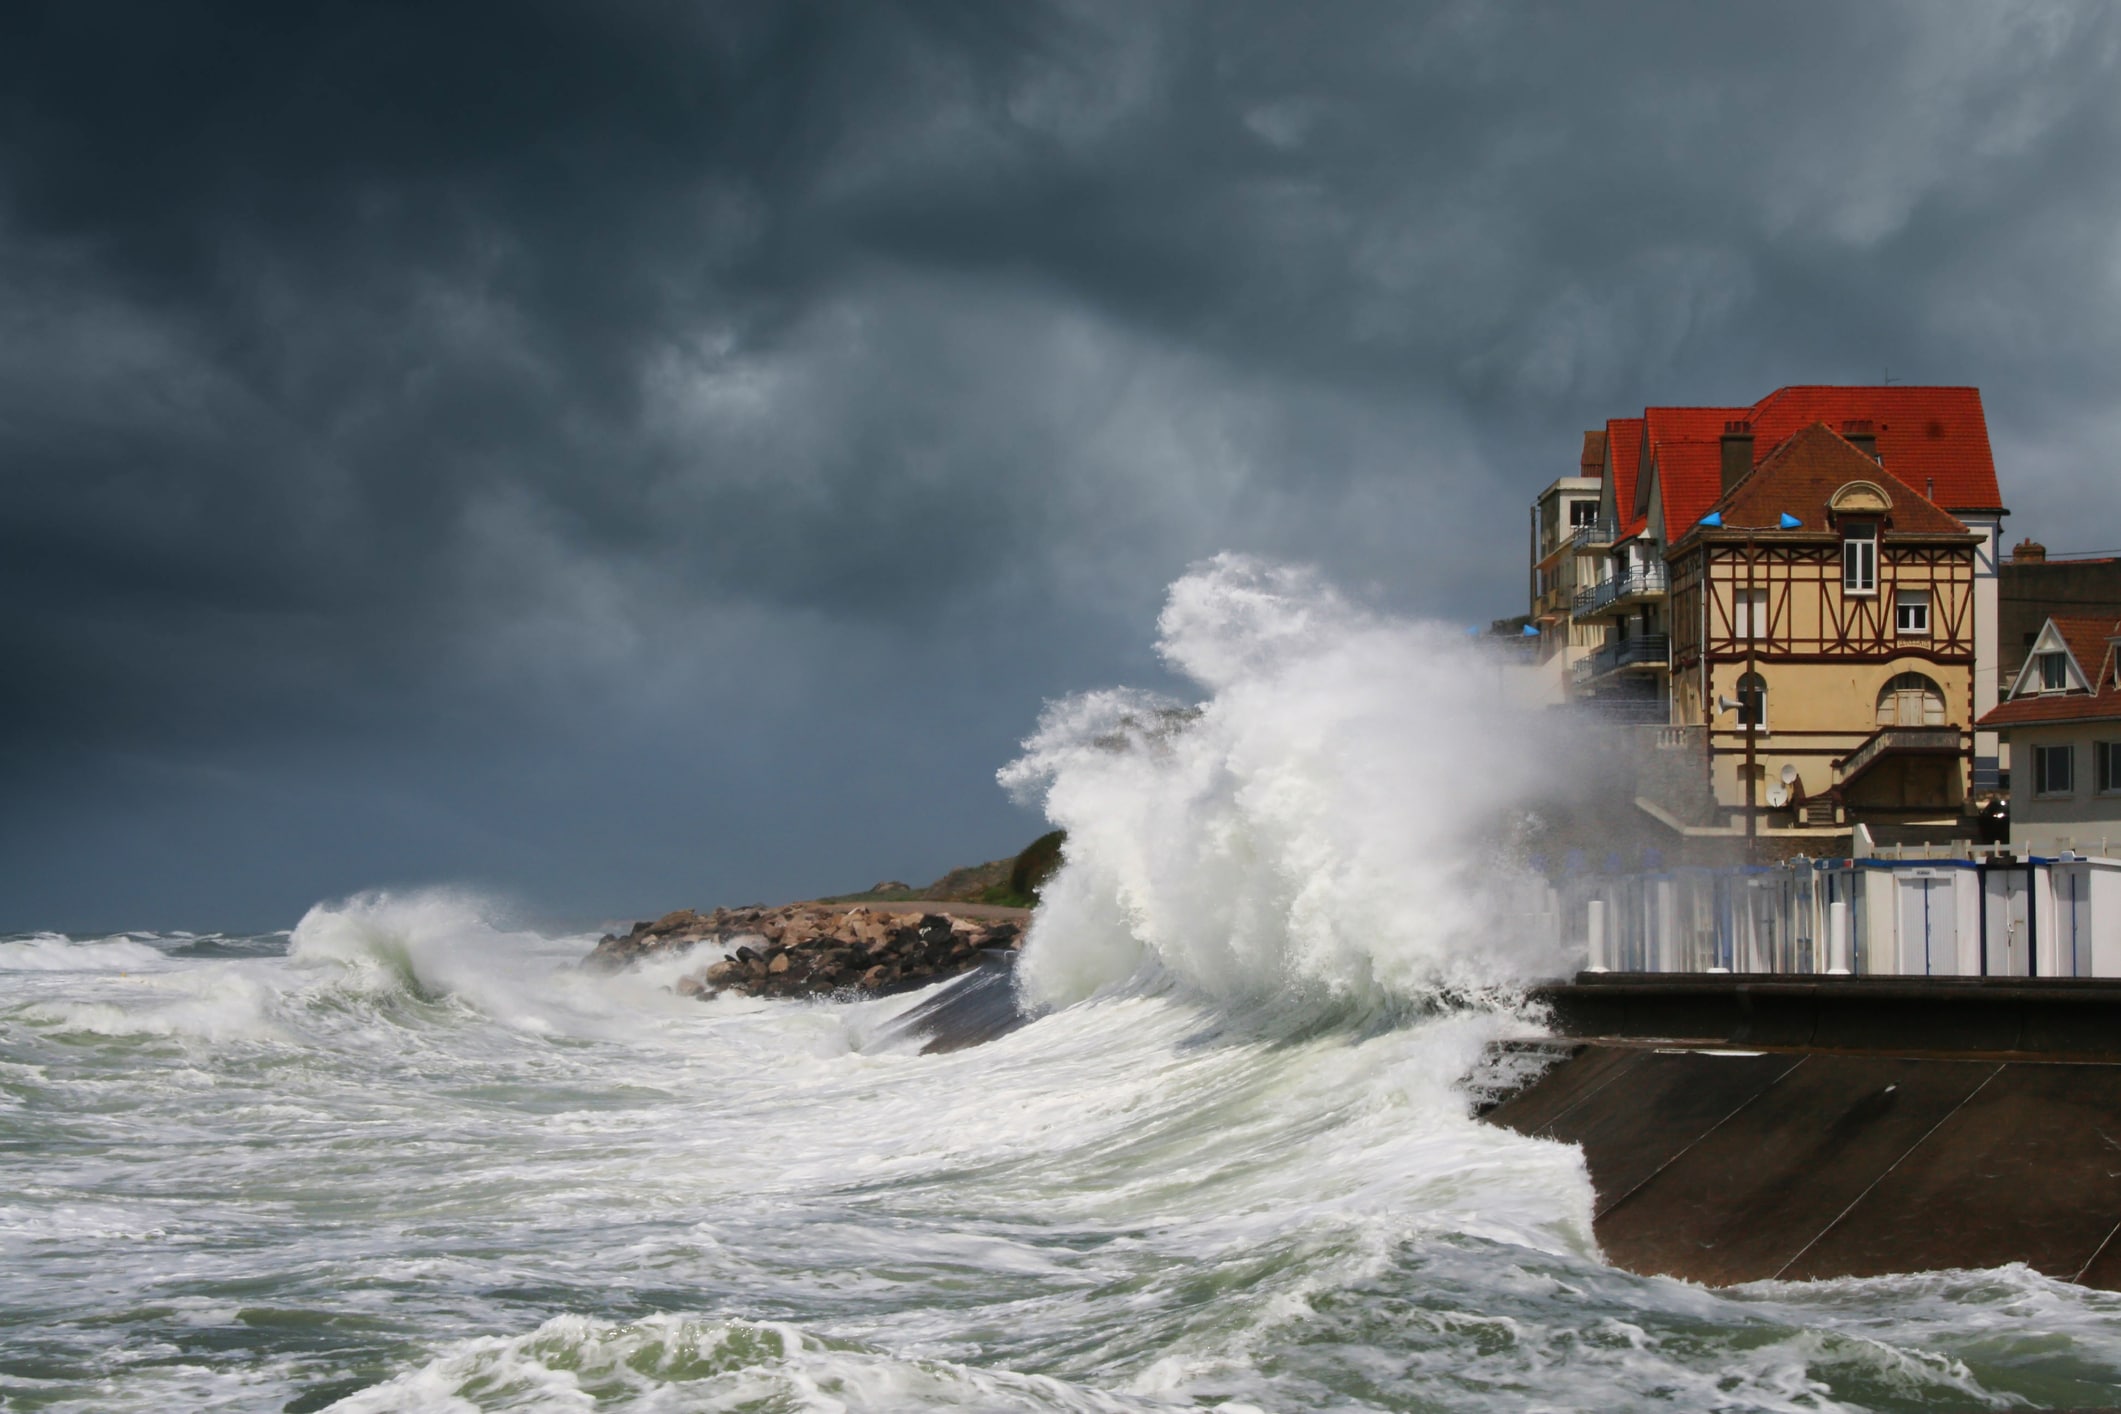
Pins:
x,y
811,950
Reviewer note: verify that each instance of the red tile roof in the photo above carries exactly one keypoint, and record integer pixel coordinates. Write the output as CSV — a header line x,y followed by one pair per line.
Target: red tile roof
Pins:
x,y
1925,434
1686,446
1800,477
2087,641
1930,438
1623,440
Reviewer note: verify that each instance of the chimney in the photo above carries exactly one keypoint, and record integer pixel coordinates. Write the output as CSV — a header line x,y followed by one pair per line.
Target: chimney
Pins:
x,y
1863,433
1737,452
2029,552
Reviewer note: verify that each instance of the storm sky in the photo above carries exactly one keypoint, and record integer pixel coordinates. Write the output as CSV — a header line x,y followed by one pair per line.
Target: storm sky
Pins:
x,y
632,455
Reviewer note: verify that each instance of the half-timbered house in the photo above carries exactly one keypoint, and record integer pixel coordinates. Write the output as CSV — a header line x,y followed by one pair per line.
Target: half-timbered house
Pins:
x,y
1666,468
1822,617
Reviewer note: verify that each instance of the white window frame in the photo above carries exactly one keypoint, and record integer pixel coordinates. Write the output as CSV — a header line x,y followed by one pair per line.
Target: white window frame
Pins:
x,y
1748,612
2044,786
1905,600
2060,662
1859,560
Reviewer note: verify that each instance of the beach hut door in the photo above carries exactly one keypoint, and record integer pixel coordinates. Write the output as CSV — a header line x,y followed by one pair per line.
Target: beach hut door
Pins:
x,y
1929,924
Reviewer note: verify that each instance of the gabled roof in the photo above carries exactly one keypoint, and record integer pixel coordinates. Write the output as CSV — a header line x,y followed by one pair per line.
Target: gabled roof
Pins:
x,y
2090,645
1925,434
1800,477
1684,449
1931,438
1623,440
1592,462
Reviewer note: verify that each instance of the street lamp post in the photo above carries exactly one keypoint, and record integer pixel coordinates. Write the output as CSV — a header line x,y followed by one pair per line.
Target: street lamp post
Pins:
x,y
1751,702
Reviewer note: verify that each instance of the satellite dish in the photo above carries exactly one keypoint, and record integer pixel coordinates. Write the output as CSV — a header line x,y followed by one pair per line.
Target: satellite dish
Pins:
x,y
1789,775
1778,795
1725,704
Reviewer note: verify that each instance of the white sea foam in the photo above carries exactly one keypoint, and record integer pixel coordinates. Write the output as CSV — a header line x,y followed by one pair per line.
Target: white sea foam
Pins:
x,y
54,952
1335,818
446,944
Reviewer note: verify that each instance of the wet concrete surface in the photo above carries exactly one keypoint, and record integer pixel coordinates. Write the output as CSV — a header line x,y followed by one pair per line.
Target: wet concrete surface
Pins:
x,y
1923,1143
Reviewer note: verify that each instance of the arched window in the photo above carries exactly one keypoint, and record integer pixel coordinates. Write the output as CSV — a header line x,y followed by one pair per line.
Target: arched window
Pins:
x,y
1911,700
1752,702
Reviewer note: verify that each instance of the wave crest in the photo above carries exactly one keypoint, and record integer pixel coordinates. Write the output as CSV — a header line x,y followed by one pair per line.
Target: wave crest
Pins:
x,y
1334,819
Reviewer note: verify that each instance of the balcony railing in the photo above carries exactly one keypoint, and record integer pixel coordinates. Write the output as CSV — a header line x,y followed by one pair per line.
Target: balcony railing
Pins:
x,y
1648,650
1643,581
1595,536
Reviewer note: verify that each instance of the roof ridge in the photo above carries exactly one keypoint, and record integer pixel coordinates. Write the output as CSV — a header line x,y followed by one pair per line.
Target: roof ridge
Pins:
x,y
1787,449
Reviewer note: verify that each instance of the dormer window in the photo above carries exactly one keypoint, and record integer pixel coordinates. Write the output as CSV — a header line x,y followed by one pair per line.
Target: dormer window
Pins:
x,y
2054,672
1859,558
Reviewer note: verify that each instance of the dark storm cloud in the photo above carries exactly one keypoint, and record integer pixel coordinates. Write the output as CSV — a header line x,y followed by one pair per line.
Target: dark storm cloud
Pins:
x,y
626,451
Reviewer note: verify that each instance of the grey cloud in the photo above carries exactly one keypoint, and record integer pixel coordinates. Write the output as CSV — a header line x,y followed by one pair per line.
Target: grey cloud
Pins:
x,y
630,453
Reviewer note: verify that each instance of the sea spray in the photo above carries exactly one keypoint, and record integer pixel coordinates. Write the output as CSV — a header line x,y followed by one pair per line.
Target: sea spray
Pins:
x,y
1336,818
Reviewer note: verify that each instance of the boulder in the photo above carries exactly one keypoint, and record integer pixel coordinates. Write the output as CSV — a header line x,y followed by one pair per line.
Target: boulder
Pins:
x,y
806,950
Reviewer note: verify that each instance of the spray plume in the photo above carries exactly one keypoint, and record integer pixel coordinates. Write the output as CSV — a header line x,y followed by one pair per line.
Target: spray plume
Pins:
x,y
1335,820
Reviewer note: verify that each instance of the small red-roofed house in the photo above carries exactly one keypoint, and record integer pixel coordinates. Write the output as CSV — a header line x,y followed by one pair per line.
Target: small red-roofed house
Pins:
x,y
2062,722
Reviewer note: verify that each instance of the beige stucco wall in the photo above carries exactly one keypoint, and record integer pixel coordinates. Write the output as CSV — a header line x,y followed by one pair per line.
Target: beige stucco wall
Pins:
x,y
2083,820
1816,712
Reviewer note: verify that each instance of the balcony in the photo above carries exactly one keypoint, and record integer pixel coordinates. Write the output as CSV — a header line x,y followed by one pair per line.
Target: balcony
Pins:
x,y
1923,741
1641,582
1644,651
1596,536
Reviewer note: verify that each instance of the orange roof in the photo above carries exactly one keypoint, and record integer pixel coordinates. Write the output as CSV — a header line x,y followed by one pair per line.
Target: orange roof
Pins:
x,y
1686,446
1623,439
1925,434
1801,475
2088,642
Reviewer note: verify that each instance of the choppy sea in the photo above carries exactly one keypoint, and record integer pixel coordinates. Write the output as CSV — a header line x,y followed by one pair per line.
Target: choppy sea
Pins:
x,y
410,1156
409,1160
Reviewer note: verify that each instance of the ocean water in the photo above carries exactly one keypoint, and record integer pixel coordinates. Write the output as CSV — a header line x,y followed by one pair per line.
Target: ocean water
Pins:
x,y
408,1156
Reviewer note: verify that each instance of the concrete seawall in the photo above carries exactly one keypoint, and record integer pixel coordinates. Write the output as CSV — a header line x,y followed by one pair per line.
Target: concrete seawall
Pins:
x,y
1740,1128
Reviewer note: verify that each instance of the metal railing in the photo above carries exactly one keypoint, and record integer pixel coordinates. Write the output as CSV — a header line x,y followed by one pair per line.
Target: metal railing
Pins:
x,y
1597,534
1643,650
1637,582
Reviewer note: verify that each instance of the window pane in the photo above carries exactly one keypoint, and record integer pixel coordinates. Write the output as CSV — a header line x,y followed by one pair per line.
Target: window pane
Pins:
x,y
2053,676
1859,562
1752,701
2052,768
